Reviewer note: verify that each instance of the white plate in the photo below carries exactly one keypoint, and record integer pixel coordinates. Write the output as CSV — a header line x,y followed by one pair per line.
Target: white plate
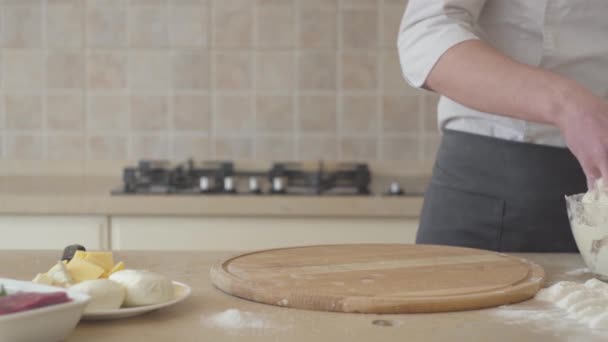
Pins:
x,y
181,292
50,323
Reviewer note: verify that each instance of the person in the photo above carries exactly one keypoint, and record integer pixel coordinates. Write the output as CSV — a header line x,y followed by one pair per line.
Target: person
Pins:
x,y
522,113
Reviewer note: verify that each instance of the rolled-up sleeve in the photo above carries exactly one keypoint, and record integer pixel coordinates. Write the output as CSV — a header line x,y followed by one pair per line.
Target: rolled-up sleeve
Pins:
x,y
429,28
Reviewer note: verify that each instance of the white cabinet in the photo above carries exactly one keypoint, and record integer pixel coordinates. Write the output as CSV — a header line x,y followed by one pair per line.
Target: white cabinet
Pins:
x,y
53,232
219,233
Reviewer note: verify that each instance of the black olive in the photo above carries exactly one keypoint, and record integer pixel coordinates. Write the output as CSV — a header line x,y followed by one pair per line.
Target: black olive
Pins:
x,y
69,251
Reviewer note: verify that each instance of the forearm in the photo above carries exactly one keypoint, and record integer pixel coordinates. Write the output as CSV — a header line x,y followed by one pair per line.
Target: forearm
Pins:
x,y
478,76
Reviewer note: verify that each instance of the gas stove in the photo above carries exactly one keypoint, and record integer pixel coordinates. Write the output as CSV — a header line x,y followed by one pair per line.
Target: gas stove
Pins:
x,y
224,177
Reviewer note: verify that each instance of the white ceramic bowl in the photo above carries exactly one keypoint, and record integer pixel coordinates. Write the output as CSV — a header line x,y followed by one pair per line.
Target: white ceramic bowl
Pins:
x,y
51,323
589,225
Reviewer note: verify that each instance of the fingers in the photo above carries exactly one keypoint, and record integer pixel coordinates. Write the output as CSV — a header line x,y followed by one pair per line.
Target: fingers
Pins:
x,y
593,174
604,171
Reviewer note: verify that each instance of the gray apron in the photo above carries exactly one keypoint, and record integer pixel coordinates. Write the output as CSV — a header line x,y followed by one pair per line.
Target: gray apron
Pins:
x,y
500,195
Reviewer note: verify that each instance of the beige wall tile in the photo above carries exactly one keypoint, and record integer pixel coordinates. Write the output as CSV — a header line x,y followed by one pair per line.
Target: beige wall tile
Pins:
x,y
65,111
23,146
249,78
149,147
401,114
52,3
400,3
107,70
21,2
317,70
106,24
189,2
274,114
197,147
318,3
66,147
429,112
191,113
359,71
390,25
232,70
148,2
65,69
22,26
317,114
318,28
274,2
274,148
190,70
360,28
23,111
275,26
233,4
65,25
149,112
233,148
359,3
401,148
22,70
274,71
149,70
393,76
108,112
317,147
107,147
359,114
358,148
233,114
189,26
148,26
430,147
233,27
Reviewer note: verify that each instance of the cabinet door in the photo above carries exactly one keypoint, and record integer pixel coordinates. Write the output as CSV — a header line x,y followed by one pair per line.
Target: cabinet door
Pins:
x,y
53,232
165,233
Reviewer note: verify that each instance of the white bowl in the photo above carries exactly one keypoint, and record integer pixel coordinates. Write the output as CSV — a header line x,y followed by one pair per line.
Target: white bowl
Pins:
x,y
51,323
589,224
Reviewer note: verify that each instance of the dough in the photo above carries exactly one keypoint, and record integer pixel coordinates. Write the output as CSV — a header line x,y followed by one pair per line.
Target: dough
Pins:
x,y
105,294
144,287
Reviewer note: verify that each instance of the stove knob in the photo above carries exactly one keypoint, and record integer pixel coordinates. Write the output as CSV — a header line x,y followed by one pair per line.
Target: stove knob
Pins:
x,y
278,185
254,186
395,189
229,185
203,184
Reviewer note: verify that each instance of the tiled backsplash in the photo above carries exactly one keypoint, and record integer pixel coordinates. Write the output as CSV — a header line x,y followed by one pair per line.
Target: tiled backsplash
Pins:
x,y
252,79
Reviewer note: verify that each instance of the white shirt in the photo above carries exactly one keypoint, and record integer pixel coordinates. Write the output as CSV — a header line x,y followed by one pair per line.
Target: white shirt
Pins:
x,y
568,37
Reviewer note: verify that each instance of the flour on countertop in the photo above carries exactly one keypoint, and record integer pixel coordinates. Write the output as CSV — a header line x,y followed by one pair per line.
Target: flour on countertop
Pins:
x,y
564,304
578,272
234,320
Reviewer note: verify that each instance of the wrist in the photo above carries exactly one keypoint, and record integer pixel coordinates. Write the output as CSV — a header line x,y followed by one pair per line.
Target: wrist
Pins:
x,y
569,99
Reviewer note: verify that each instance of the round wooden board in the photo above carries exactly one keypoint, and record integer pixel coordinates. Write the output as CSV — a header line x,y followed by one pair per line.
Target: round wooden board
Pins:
x,y
379,278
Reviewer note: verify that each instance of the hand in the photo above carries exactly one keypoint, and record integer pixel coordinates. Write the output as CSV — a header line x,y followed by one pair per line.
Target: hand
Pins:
x,y
584,124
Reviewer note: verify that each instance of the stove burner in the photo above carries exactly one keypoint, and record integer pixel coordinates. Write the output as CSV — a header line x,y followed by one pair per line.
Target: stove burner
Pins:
x,y
221,177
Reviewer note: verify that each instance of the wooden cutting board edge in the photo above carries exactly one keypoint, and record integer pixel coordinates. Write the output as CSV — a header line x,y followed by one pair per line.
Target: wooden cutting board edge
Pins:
x,y
319,301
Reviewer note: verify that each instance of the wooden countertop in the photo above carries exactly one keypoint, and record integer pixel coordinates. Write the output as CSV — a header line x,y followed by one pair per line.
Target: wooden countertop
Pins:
x,y
193,320
39,189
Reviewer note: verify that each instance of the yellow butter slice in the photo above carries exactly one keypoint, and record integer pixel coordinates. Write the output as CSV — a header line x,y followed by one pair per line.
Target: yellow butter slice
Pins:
x,y
118,267
82,270
104,260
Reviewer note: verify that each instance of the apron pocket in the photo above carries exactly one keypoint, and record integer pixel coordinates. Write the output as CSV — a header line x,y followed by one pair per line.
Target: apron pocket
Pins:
x,y
460,218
